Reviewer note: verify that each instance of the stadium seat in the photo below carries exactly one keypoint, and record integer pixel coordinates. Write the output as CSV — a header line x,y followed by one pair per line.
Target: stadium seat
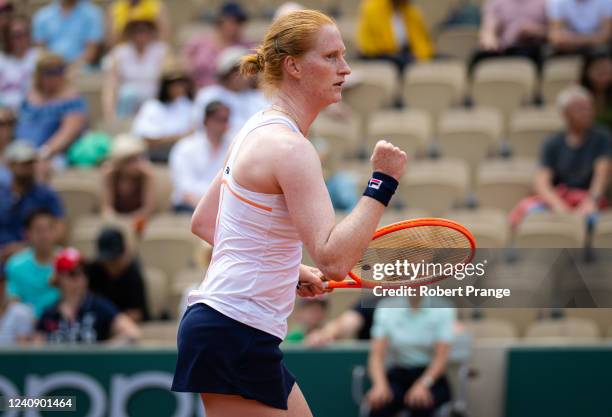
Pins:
x,y
503,183
395,216
558,73
469,134
163,187
550,230
159,332
434,12
458,42
434,185
342,136
182,282
79,190
603,231
168,249
156,288
184,33
434,86
504,83
570,329
255,30
489,226
115,127
347,25
341,300
530,127
90,85
408,129
491,328
85,230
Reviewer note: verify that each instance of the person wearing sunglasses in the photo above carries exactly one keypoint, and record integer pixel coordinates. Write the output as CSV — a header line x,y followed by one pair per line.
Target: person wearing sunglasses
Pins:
x,y
17,62
80,316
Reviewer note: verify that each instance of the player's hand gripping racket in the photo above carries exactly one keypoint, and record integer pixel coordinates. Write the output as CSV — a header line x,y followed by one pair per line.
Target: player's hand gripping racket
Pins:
x,y
431,242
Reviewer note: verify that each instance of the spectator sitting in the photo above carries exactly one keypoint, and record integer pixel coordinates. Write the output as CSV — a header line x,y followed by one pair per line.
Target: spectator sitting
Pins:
x,y
197,159
73,29
409,355
17,63
7,127
116,275
22,197
121,12
174,106
577,25
234,89
16,319
597,78
29,271
512,28
133,69
81,316
393,30
574,164
128,180
54,114
310,317
202,52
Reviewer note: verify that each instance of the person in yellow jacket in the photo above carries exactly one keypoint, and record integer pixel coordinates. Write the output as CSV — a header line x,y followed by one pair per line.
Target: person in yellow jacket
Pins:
x,y
393,30
123,11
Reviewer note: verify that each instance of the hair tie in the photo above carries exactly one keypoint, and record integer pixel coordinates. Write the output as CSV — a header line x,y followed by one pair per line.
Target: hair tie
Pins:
x,y
261,62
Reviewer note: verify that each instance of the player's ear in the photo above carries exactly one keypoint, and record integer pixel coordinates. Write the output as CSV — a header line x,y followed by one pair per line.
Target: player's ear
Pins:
x,y
293,67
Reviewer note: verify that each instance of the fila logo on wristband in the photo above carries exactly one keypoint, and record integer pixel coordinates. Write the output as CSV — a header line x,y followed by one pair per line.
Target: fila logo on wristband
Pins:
x,y
375,183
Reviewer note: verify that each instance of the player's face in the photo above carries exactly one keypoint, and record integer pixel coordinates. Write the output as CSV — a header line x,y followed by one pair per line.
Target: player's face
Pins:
x,y
325,66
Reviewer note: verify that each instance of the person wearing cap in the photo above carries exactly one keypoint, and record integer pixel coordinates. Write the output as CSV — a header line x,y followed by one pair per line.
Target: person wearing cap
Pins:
x,y
196,159
202,52
73,29
234,89
132,69
29,271
54,113
81,316
116,274
16,319
22,197
128,182
173,106
121,12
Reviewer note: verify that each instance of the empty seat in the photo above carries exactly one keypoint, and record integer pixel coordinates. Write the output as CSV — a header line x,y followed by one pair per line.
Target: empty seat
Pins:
x,y
434,12
503,183
90,85
183,281
434,86
504,83
530,127
85,231
470,134
163,187
341,135
341,300
489,226
168,249
603,231
255,30
79,190
156,290
434,185
408,129
159,332
347,25
458,42
115,127
491,328
559,73
395,216
573,328
550,230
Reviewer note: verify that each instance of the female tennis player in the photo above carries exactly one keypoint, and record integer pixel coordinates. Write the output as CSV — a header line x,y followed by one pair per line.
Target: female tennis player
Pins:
x,y
268,200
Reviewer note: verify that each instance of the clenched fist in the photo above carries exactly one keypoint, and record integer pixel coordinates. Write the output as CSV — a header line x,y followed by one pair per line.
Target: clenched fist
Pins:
x,y
389,159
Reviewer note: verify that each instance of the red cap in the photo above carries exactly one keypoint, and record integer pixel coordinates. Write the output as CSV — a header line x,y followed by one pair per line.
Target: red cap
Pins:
x,y
66,260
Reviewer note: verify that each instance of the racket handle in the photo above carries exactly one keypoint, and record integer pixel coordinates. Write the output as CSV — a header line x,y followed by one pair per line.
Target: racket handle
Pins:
x,y
341,284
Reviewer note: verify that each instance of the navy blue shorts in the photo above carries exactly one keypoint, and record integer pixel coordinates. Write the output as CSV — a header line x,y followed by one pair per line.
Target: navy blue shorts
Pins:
x,y
217,354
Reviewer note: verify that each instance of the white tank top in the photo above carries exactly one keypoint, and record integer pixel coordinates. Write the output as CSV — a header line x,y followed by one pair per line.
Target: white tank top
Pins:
x,y
256,258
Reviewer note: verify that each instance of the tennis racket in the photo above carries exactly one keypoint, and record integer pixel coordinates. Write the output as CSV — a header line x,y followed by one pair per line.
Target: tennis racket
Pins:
x,y
426,241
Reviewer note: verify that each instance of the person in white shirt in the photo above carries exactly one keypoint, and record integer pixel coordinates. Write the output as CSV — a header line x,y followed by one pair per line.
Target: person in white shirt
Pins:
x,y
233,89
17,63
196,159
579,24
163,121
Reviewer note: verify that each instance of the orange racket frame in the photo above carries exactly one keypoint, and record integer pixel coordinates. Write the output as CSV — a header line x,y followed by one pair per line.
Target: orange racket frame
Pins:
x,y
428,221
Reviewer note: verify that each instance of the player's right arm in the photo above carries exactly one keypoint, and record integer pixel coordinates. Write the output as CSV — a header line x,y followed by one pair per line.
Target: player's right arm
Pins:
x,y
335,248
203,221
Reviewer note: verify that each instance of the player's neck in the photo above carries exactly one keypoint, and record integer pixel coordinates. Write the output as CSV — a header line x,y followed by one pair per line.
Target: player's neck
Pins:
x,y
298,108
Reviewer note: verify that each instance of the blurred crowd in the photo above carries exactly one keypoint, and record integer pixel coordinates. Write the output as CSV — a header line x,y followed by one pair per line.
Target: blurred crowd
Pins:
x,y
179,106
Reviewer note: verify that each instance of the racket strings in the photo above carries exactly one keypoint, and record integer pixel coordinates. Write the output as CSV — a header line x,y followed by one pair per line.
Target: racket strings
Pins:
x,y
428,245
